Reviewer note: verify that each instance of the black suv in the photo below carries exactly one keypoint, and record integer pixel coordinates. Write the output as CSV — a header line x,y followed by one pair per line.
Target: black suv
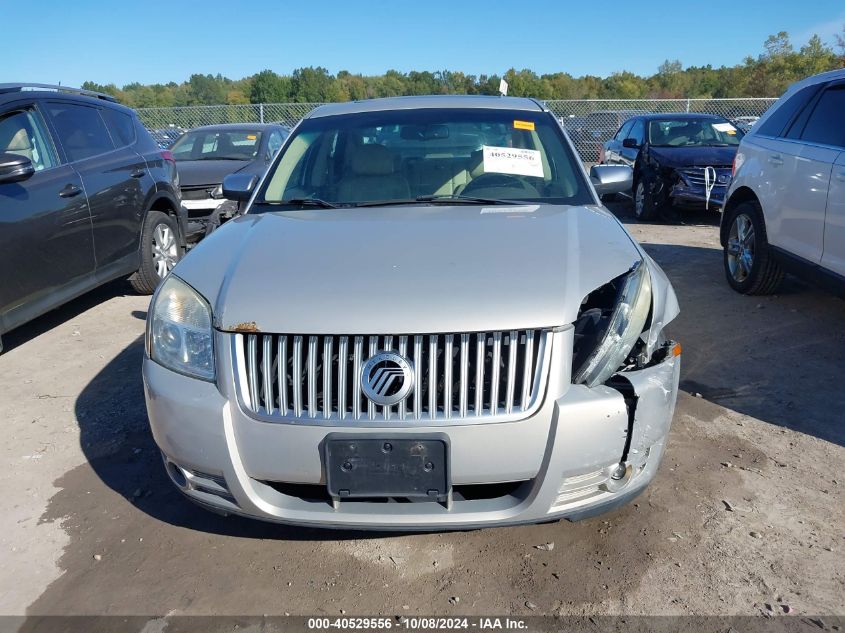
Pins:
x,y
86,196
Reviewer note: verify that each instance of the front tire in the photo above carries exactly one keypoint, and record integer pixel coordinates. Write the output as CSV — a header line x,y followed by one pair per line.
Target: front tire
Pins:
x,y
645,207
160,250
749,265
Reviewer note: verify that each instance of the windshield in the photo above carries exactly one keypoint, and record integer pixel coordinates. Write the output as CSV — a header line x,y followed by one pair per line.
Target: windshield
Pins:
x,y
217,145
405,155
693,133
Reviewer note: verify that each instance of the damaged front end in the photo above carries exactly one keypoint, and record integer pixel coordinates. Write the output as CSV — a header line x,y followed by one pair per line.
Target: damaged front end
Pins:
x,y
646,378
688,186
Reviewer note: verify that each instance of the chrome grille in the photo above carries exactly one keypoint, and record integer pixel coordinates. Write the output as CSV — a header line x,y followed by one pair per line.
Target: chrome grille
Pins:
x,y
456,376
695,176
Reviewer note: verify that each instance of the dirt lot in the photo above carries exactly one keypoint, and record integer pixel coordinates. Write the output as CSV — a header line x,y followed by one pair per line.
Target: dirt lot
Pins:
x,y
748,507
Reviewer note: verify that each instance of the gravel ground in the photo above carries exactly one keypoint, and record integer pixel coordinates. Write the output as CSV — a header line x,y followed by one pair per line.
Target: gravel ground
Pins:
x,y
746,511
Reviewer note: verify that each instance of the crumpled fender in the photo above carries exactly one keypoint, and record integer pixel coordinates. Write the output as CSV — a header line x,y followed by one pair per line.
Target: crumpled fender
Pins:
x,y
664,304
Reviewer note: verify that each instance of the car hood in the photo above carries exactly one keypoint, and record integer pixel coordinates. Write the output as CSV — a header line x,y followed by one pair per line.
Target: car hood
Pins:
x,y
207,172
693,156
410,269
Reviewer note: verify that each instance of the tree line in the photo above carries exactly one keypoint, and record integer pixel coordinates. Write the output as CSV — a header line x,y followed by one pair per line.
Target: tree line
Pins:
x,y
766,75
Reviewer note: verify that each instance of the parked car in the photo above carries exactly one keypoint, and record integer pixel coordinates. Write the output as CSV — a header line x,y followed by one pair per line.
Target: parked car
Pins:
x,y
464,333
681,160
165,137
86,197
786,204
598,128
744,123
206,154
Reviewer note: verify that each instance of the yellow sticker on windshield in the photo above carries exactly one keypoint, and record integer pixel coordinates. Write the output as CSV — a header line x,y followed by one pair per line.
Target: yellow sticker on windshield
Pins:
x,y
523,125
251,137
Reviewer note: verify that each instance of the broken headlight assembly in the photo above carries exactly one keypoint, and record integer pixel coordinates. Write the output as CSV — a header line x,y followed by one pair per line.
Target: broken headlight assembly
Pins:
x,y
609,323
179,333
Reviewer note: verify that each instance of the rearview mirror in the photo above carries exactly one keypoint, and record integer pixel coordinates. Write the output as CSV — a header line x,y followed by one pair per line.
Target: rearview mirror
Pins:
x,y
14,167
239,186
630,143
609,179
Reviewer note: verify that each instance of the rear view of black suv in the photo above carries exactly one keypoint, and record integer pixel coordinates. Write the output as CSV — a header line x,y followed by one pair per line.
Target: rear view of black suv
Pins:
x,y
86,196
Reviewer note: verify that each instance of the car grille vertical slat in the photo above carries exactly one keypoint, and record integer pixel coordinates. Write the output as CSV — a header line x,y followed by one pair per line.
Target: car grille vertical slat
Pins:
x,y
432,375
297,376
328,362
403,351
418,369
513,347
371,407
252,365
480,352
282,373
462,400
267,372
494,373
447,376
342,359
456,375
527,373
356,377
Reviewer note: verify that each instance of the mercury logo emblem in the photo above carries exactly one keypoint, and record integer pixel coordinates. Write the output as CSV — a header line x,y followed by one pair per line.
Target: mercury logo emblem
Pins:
x,y
387,378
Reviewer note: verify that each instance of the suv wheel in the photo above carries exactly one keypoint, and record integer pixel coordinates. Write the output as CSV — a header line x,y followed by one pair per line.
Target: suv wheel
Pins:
x,y
645,207
160,250
749,266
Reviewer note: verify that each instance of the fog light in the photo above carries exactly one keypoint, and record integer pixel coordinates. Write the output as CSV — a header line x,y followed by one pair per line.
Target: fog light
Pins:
x,y
618,477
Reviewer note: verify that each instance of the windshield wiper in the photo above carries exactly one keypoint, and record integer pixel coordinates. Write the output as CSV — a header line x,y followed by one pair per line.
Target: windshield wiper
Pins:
x,y
442,199
306,202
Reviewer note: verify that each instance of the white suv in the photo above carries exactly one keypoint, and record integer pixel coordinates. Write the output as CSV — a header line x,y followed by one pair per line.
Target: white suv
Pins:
x,y
786,204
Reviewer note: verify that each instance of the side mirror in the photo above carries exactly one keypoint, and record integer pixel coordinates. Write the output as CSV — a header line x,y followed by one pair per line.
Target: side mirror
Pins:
x,y
630,143
610,179
239,186
14,167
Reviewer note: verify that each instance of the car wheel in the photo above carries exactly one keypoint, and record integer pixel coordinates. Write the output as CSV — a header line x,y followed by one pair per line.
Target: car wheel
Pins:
x,y
644,205
749,265
160,250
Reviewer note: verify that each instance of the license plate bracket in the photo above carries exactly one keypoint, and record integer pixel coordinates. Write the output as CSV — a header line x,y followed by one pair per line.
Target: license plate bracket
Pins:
x,y
389,466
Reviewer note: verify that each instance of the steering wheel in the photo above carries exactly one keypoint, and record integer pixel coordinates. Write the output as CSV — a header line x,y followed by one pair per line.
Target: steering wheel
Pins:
x,y
500,181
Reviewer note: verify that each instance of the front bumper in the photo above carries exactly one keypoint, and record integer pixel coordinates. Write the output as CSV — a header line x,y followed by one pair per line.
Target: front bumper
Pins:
x,y
691,196
554,464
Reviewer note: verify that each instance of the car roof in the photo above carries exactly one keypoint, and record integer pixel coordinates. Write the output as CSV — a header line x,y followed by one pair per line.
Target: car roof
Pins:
x,y
15,91
237,127
427,102
679,115
831,75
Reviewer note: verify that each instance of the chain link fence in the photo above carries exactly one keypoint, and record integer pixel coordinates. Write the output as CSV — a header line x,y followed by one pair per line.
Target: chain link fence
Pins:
x,y
589,122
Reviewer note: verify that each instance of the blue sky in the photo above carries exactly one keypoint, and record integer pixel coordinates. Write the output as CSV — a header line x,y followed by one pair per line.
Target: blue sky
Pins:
x,y
119,41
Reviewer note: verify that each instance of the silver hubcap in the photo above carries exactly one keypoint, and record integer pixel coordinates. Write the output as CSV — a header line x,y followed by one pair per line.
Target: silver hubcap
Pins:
x,y
740,248
639,199
164,249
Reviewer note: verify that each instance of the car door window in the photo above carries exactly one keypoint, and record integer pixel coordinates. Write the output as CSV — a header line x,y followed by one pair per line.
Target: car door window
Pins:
x,y
826,123
81,130
23,133
777,123
274,142
622,134
120,126
638,131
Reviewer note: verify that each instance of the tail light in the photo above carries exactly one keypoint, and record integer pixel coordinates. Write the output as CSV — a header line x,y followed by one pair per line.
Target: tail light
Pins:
x,y
166,154
601,154
733,167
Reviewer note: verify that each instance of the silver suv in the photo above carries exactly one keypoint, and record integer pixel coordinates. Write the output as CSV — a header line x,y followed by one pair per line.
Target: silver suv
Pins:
x,y
786,204
425,319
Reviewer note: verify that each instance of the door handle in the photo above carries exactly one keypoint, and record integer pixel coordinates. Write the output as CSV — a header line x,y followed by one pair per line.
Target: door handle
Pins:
x,y
776,159
70,191
138,173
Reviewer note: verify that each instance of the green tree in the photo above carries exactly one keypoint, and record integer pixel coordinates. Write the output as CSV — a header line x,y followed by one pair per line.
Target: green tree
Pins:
x,y
268,87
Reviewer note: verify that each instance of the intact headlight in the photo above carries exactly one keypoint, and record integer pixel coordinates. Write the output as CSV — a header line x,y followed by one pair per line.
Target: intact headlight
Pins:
x,y
179,333
615,329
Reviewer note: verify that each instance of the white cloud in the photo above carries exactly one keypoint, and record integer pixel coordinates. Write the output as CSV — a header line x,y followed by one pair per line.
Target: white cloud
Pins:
x,y
825,30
